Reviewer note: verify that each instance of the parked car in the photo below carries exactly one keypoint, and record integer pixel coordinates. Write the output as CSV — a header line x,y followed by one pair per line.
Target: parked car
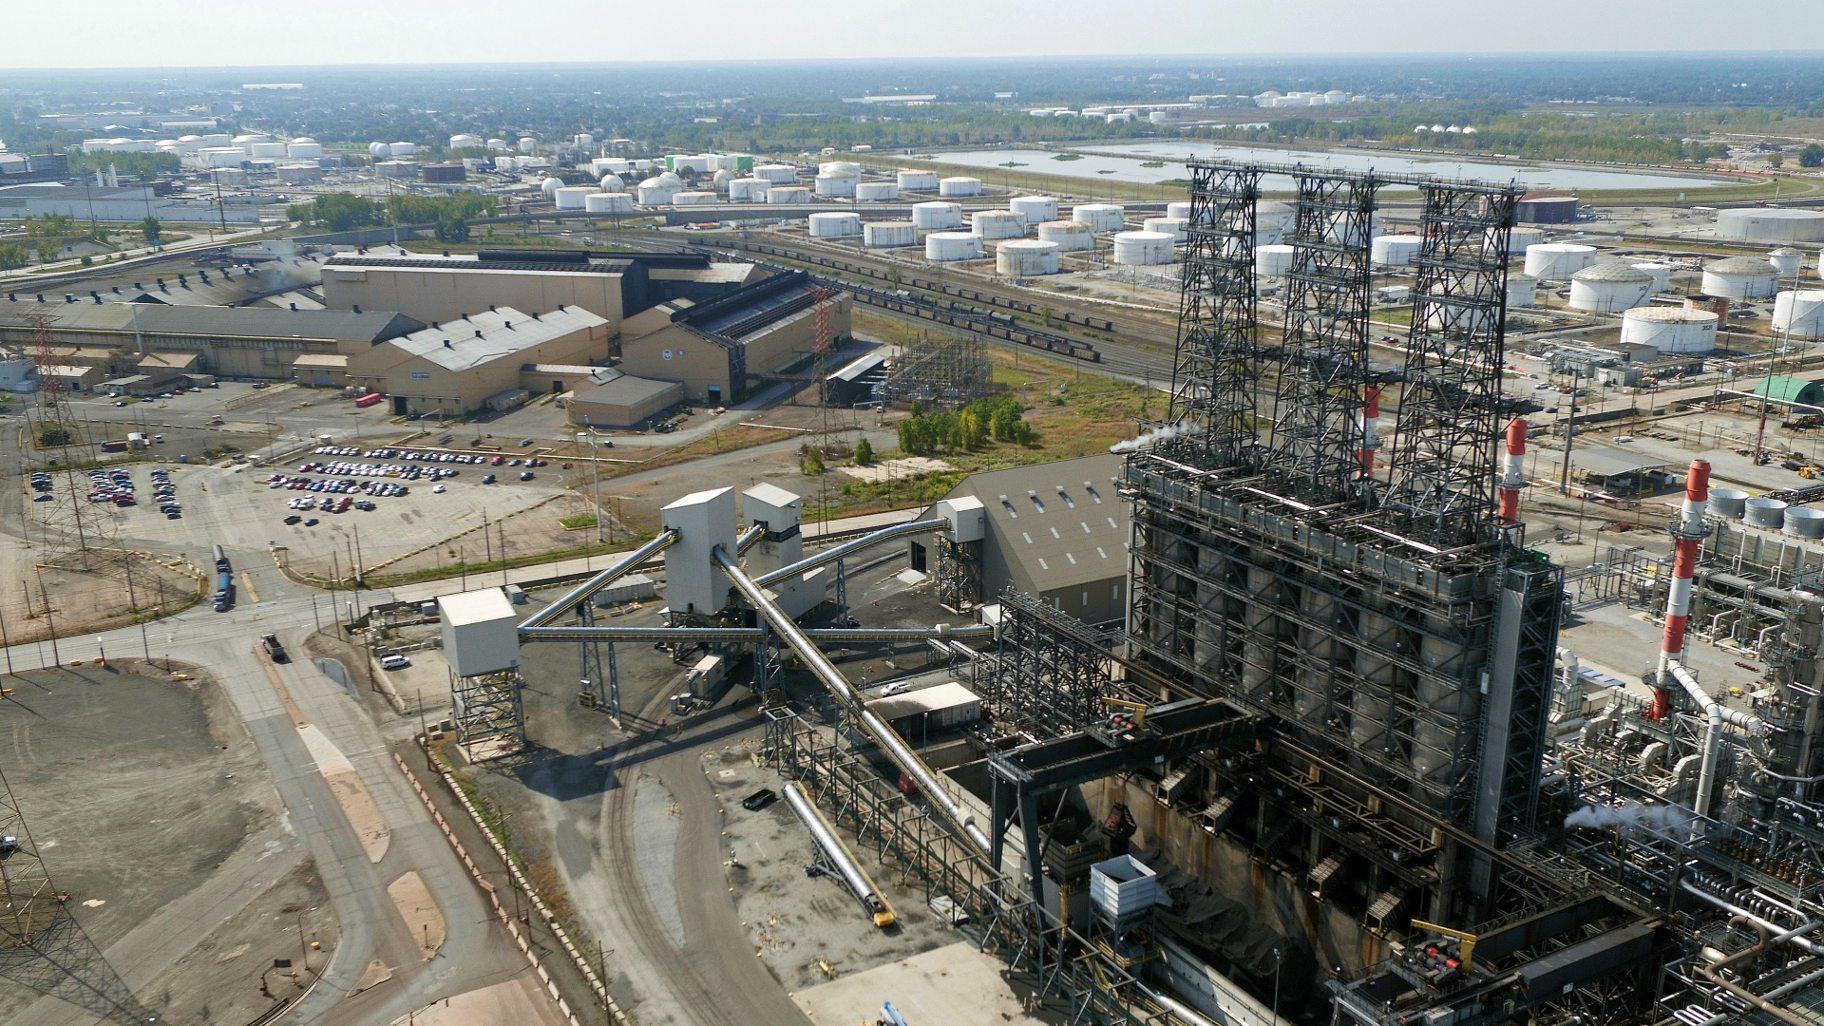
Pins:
x,y
394,661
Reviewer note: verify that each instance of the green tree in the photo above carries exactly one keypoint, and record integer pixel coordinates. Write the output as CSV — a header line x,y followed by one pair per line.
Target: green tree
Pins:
x,y
1776,160
13,255
337,212
53,434
48,250
1812,156
811,462
864,453
151,229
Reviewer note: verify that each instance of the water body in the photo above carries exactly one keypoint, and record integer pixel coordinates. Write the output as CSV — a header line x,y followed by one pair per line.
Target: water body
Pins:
x,y
1125,162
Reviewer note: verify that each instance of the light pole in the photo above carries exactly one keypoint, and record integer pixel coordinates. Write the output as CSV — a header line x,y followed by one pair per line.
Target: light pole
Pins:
x,y
595,480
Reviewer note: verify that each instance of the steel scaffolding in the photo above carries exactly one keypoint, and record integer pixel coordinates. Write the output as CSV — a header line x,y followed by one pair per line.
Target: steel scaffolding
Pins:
x,y
942,372
490,720
1218,357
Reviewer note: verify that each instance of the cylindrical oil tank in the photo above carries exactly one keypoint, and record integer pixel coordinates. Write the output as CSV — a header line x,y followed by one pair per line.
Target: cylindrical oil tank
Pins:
x,y
1069,235
694,199
960,185
997,224
1610,287
1522,291
876,192
1274,261
917,181
1800,312
834,224
526,144
840,167
612,183
266,149
1804,522
780,195
1740,277
401,149
1272,220
1546,209
748,190
1786,261
608,203
1023,258
1143,248
464,141
655,191
1727,503
1764,512
953,246
778,174
889,234
570,197
304,149
1179,208
498,145
1670,329
1394,250
1034,209
1661,273
835,186
1520,238
1101,217
1558,260
935,215
1770,224
1173,226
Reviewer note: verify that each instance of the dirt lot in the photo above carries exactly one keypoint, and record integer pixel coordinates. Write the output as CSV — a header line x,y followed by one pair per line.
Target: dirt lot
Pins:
x,y
85,594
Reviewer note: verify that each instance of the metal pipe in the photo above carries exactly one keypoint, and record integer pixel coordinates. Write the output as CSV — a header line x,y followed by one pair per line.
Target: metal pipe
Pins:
x,y
1745,720
569,599
1706,773
838,853
1771,927
749,538
958,819
704,635
853,545
1714,970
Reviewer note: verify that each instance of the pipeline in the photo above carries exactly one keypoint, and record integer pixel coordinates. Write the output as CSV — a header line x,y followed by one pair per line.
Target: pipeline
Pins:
x,y
1714,971
1793,936
569,599
1715,714
853,545
958,820
839,855
711,635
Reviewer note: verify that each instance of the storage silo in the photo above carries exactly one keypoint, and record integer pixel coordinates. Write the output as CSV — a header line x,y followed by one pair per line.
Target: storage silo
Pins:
x,y
917,181
1520,238
1770,225
1273,261
953,246
1101,217
1173,226
1739,277
1069,235
1786,261
1762,511
1272,220
304,148
1610,287
571,197
960,185
1034,209
1522,291
778,174
1670,329
550,186
1546,209
657,191
1660,273
876,192
1799,312
1179,208
1804,522
527,144
1727,503
748,190
1394,250
694,198
608,203
1558,260
889,234
997,224
835,186
934,215
783,195
1143,248
834,224
1025,258
377,151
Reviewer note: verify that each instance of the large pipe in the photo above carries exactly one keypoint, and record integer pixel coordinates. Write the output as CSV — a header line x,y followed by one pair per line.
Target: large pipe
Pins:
x,y
959,820
1513,476
1715,713
836,552
749,538
839,855
1687,533
1714,971
709,635
1792,936
569,599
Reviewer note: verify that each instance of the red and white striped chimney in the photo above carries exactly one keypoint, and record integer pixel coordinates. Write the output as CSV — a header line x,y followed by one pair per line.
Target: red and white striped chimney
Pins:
x,y
1687,534
1513,473
1371,424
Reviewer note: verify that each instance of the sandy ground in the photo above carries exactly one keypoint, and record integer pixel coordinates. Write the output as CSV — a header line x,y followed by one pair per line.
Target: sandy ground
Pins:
x,y
420,912
952,984
514,1001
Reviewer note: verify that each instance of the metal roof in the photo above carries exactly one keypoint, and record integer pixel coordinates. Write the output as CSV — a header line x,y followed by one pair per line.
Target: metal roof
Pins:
x,y
480,338
1612,270
1780,388
1056,525
1608,460
627,389
213,321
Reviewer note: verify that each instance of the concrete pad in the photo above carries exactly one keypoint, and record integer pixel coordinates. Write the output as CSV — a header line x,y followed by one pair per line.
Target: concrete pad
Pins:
x,y
515,1001
362,813
421,914
901,468
377,972
952,984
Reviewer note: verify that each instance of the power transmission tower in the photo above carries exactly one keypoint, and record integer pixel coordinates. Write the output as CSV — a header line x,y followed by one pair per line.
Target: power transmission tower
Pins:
x,y
42,946
68,519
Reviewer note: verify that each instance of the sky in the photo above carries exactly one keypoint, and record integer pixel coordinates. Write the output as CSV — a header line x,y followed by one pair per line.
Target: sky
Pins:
x,y
235,33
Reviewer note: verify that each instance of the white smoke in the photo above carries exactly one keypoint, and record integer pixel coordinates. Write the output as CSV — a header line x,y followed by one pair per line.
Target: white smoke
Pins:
x,y
1634,814
1158,434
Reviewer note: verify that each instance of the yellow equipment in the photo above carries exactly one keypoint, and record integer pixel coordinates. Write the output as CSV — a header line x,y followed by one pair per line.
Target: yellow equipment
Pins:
x,y
1466,940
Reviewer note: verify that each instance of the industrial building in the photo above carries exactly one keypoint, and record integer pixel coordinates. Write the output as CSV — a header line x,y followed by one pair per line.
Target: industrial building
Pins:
x,y
624,401
1055,531
130,203
487,359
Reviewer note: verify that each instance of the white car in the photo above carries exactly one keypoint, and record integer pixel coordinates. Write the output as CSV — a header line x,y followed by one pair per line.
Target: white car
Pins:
x,y
440,489
394,662
895,688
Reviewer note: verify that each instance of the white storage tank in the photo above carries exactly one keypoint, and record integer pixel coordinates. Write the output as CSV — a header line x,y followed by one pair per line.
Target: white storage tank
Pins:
x,y
613,183
1520,238
935,214
550,186
1610,287
584,141
1101,217
889,234
1272,220
1179,208
1522,291
960,185
876,192
1394,250
498,145
608,203
1770,225
782,195
1143,248
527,144
719,181
835,186
378,151
694,199
1558,260
748,190
304,149
1786,261
1739,278
465,141
1273,261
1024,258
840,167
246,139
1799,312
268,150
778,174
1034,209
571,197
656,191
953,246
1173,226
1670,329
1069,235
1660,273
917,181
402,149
834,224
997,224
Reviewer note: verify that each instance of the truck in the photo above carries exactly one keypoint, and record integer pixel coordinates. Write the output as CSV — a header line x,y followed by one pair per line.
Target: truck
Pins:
x,y
702,680
277,651
224,591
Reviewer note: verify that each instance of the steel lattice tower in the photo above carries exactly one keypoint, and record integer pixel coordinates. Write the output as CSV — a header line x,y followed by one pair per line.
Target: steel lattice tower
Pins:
x,y
1323,365
1216,369
1443,467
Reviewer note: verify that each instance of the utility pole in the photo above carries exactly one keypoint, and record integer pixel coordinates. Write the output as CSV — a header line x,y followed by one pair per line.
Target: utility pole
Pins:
x,y
1570,434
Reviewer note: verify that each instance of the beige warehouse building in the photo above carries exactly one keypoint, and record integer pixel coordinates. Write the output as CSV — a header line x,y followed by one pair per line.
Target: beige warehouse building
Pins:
x,y
625,402
453,368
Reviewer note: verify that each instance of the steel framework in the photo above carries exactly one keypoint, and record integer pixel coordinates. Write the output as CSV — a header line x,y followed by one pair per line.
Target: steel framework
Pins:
x,y
490,719
1050,672
943,372
1217,361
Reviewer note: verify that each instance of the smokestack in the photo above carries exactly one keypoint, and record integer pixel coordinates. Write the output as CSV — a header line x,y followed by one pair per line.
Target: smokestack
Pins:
x,y
1687,534
1513,476
1371,422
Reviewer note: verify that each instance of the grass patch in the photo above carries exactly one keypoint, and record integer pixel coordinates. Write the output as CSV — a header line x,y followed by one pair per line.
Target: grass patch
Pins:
x,y
739,437
578,522
1067,156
